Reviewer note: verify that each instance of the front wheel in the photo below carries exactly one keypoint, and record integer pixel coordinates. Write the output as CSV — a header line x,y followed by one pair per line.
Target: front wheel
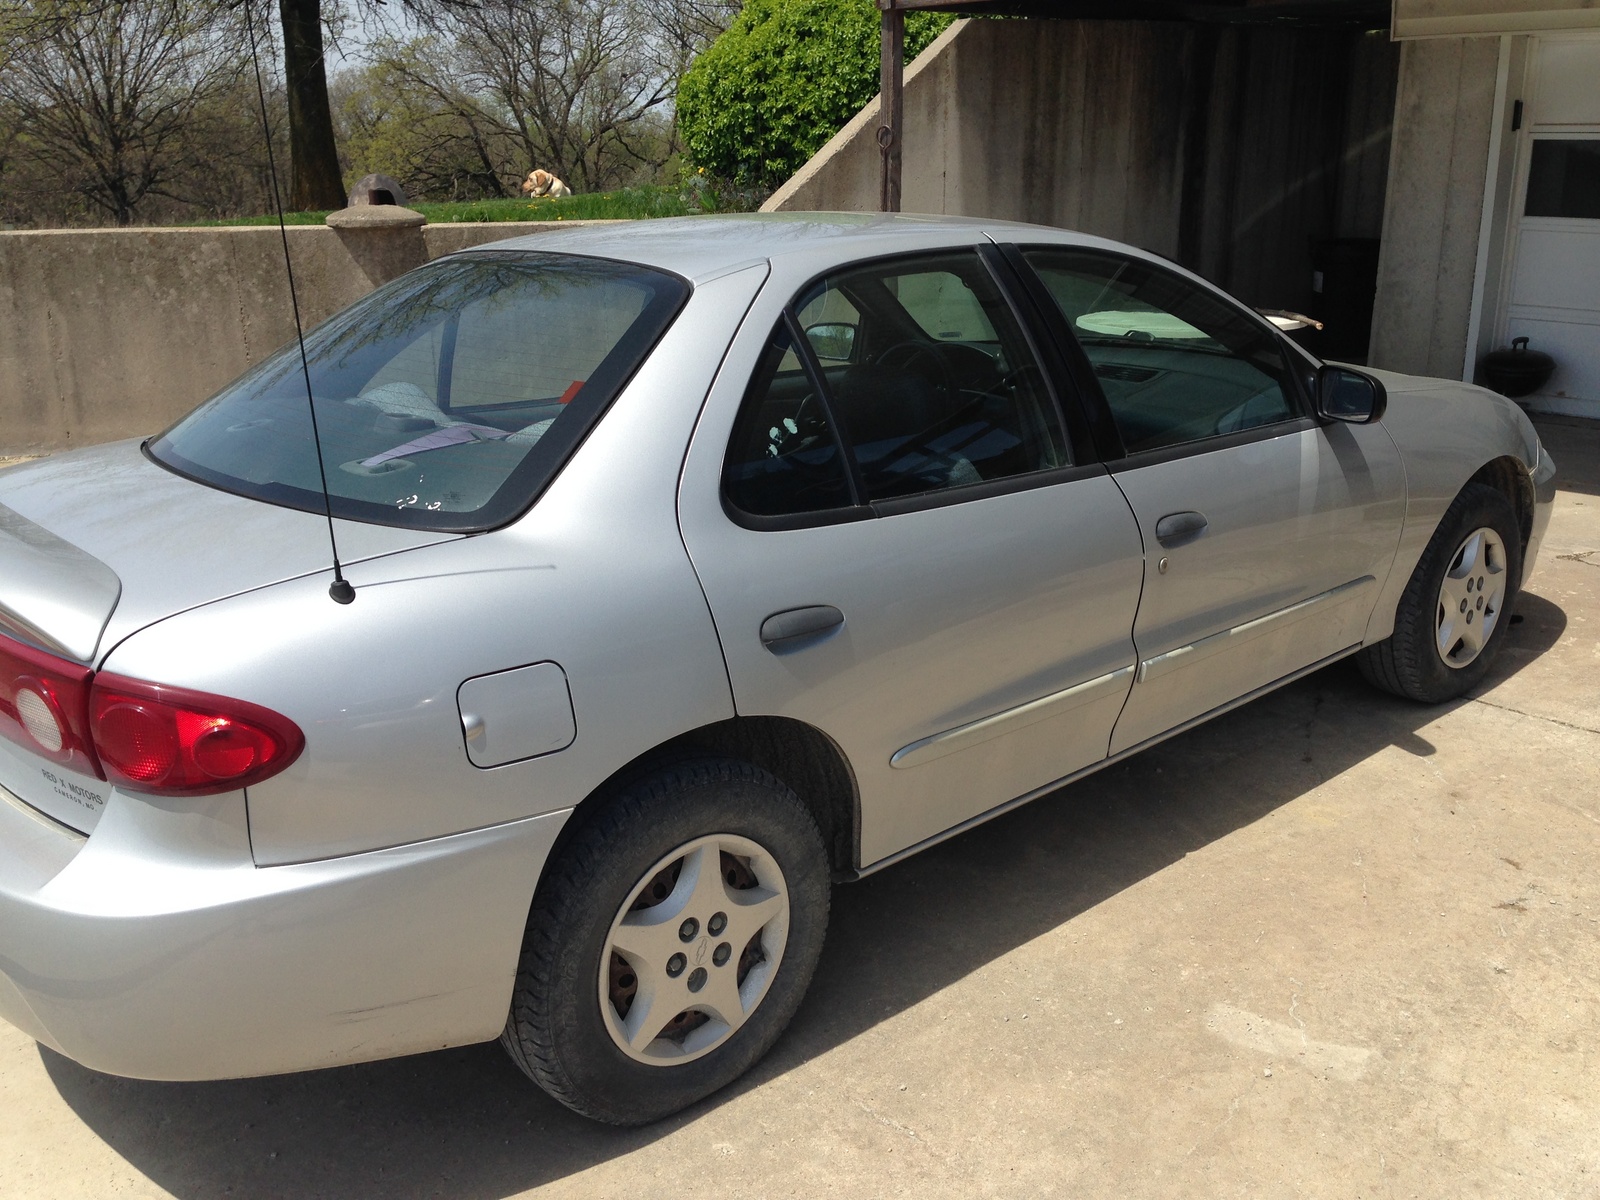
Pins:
x,y
671,942
1456,608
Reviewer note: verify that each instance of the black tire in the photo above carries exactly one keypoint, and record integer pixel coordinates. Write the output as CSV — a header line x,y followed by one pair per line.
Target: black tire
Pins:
x,y
1409,662
557,1032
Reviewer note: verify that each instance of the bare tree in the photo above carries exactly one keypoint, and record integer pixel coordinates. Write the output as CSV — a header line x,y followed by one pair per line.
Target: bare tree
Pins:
x,y
400,117
108,97
582,87
687,27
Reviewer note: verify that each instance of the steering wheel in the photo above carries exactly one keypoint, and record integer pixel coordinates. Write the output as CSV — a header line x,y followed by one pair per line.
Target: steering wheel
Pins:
x,y
920,358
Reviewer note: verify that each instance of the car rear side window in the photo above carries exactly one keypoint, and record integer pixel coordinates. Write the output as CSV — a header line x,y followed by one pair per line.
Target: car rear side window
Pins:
x,y
942,390
914,378
445,400
1176,364
785,458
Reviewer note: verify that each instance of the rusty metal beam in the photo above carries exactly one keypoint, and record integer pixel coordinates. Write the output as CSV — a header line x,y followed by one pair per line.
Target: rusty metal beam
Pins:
x,y
891,88
1370,13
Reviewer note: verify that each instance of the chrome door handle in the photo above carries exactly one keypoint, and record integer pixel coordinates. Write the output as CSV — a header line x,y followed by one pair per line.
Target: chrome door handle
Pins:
x,y
1180,528
796,628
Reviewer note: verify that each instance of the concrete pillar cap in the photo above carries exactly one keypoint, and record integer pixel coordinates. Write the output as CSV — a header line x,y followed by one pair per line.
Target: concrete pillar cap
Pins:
x,y
376,216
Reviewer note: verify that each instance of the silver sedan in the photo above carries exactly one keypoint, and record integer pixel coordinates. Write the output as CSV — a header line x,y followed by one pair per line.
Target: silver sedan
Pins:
x,y
681,574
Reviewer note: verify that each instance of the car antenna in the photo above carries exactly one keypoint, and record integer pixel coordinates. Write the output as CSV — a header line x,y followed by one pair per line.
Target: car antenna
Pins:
x,y
340,590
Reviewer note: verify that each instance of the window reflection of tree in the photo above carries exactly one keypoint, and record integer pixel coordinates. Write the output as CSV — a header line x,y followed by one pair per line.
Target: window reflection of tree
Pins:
x,y
349,348
414,305
550,313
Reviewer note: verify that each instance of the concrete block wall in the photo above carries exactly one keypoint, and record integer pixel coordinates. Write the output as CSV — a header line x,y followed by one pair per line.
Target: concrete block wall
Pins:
x,y
113,333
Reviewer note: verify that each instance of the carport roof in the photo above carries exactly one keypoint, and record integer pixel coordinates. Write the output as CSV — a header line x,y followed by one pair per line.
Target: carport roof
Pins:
x,y
1369,14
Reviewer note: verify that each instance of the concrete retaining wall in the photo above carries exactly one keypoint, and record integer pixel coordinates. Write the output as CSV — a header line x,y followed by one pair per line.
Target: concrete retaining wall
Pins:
x,y
1228,149
112,333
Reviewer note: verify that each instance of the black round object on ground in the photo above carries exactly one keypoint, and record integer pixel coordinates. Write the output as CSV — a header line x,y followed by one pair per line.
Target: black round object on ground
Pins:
x,y
1518,371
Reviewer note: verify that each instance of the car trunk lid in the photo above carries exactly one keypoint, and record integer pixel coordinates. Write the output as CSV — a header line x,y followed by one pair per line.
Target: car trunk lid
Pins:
x,y
51,593
99,543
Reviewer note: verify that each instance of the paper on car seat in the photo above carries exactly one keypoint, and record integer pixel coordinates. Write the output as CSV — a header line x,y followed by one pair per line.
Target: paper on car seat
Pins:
x,y
450,435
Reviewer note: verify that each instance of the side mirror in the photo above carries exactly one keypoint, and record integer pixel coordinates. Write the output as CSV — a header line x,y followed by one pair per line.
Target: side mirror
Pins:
x,y
1350,396
835,341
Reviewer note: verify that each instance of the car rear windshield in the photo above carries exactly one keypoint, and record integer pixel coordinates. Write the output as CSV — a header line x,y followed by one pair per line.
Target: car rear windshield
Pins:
x,y
445,400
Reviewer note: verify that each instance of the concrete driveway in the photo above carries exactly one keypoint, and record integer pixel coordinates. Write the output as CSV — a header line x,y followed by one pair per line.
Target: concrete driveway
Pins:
x,y
1333,944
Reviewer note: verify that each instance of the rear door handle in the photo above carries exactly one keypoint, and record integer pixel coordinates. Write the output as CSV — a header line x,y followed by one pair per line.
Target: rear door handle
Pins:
x,y
1180,528
796,628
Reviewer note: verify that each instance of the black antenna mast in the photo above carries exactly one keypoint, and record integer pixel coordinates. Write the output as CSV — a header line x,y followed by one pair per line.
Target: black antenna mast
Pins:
x,y
340,590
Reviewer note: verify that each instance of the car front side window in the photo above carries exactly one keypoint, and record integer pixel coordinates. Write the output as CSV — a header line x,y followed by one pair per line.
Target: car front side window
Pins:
x,y
1176,364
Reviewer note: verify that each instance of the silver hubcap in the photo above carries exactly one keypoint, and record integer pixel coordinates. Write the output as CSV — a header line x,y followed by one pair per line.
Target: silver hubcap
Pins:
x,y
1471,597
693,950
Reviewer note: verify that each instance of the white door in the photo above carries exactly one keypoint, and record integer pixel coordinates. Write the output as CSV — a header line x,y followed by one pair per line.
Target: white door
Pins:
x,y
1554,298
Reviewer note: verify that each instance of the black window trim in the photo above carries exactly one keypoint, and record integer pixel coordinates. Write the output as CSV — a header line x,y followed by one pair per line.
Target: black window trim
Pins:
x,y
1065,388
1102,437
1107,439
1219,441
896,506
1083,465
856,510
819,382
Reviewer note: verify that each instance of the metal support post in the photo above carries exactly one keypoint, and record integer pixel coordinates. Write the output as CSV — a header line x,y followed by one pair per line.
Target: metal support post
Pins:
x,y
892,103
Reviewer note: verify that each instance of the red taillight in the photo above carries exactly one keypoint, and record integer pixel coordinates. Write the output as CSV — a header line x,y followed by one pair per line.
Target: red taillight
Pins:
x,y
144,736
44,705
175,742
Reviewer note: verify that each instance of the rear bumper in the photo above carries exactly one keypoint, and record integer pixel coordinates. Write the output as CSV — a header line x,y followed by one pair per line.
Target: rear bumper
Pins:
x,y
156,948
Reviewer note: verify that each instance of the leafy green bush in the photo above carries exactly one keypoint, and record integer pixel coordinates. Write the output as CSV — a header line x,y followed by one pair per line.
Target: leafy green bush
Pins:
x,y
782,80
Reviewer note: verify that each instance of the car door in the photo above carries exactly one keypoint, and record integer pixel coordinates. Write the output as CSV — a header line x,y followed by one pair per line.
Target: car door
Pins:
x,y
1266,532
899,548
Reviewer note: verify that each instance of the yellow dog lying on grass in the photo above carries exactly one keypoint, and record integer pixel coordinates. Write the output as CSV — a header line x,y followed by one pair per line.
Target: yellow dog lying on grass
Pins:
x,y
541,183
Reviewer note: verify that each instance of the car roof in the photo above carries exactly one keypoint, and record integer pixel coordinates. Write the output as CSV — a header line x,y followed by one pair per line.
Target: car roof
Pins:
x,y
701,248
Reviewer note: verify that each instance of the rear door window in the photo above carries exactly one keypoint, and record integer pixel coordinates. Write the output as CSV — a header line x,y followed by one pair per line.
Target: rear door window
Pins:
x,y
891,380
944,390
914,377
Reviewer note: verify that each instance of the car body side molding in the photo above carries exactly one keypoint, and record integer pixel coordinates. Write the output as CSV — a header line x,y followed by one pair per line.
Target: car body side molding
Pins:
x,y
1001,809
1012,719
1194,652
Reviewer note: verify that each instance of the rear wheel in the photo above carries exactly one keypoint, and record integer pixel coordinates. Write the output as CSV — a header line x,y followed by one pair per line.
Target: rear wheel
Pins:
x,y
1455,611
671,943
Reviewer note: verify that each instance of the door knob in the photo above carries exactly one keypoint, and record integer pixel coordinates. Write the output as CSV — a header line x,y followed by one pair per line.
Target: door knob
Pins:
x,y
1180,528
797,628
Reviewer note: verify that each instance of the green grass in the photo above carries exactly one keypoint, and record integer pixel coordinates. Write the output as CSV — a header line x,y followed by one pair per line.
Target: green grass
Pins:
x,y
628,203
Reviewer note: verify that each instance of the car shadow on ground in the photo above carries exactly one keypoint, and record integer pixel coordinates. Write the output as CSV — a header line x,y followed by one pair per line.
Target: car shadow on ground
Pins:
x,y
465,1123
